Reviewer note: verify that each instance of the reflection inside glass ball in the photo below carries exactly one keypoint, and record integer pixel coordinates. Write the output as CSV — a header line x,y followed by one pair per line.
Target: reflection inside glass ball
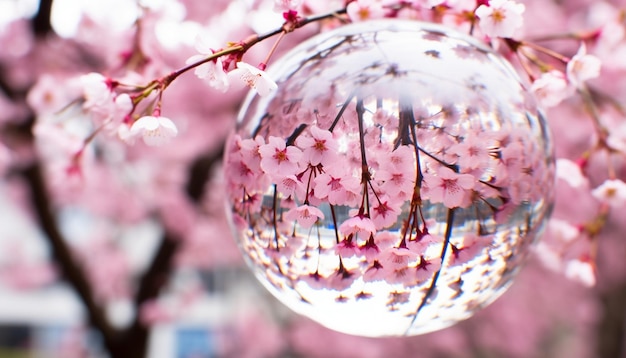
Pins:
x,y
393,183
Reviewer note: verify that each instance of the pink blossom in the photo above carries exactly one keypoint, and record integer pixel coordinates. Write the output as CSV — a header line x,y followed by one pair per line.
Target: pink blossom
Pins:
x,y
23,275
278,159
617,138
426,268
97,89
289,185
398,182
102,102
319,148
212,71
401,275
315,280
570,172
342,279
469,249
361,10
450,188
384,213
155,312
337,186
286,5
358,225
254,78
501,18
583,67
305,215
370,250
582,271
395,257
375,272
45,97
473,152
155,130
346,248
420,245
551,88
612,192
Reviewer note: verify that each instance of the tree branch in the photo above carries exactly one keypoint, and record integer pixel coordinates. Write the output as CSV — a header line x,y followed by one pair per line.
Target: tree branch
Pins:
x,y
41,23
200,171
62,254
612,325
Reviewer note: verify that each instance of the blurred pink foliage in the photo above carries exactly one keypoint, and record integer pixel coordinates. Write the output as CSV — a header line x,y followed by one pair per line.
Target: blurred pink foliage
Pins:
x,y
68,149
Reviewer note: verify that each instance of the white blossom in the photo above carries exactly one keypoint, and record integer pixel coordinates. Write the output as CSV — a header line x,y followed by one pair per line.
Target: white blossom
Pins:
x,y
254,78
155,130
501,18
583,67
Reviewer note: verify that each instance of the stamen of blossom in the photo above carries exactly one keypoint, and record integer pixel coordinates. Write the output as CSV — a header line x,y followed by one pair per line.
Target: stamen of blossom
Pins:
x,y
155,130
254,78
501,18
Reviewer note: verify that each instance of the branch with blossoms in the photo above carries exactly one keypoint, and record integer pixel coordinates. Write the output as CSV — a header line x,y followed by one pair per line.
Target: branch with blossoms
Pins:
x,y
555,77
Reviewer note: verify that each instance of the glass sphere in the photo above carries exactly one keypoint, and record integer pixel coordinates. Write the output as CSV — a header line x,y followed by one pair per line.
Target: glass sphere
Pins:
x,y
394,182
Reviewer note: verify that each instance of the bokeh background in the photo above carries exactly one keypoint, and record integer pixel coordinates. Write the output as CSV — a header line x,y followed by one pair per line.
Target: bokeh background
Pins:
x,y
145,250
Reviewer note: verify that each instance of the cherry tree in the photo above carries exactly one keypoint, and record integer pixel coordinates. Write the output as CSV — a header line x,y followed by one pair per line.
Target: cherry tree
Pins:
x,y
120,123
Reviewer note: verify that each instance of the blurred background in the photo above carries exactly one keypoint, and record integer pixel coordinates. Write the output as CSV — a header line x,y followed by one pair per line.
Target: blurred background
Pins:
x,y
133,248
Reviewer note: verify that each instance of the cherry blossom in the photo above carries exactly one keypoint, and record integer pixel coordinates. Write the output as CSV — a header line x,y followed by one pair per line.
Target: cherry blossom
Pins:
x,y
501,18
155,130
305,215
551,88
212,71
358,225
582,67
617,138
254,78
102,102
473,151
346,248
319,148
278,159
612,192
304,161
290,185
370,249
582,271
286,5
397,257
425,268
337,186
98,90
384,213
361,10
342,279
570,172
46,98
449,188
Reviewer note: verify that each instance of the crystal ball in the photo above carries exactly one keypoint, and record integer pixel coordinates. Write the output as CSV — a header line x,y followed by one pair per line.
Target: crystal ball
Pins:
x,y
394,182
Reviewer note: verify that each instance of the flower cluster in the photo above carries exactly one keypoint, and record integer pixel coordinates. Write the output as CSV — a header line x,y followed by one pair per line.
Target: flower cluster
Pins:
x,y
365,195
